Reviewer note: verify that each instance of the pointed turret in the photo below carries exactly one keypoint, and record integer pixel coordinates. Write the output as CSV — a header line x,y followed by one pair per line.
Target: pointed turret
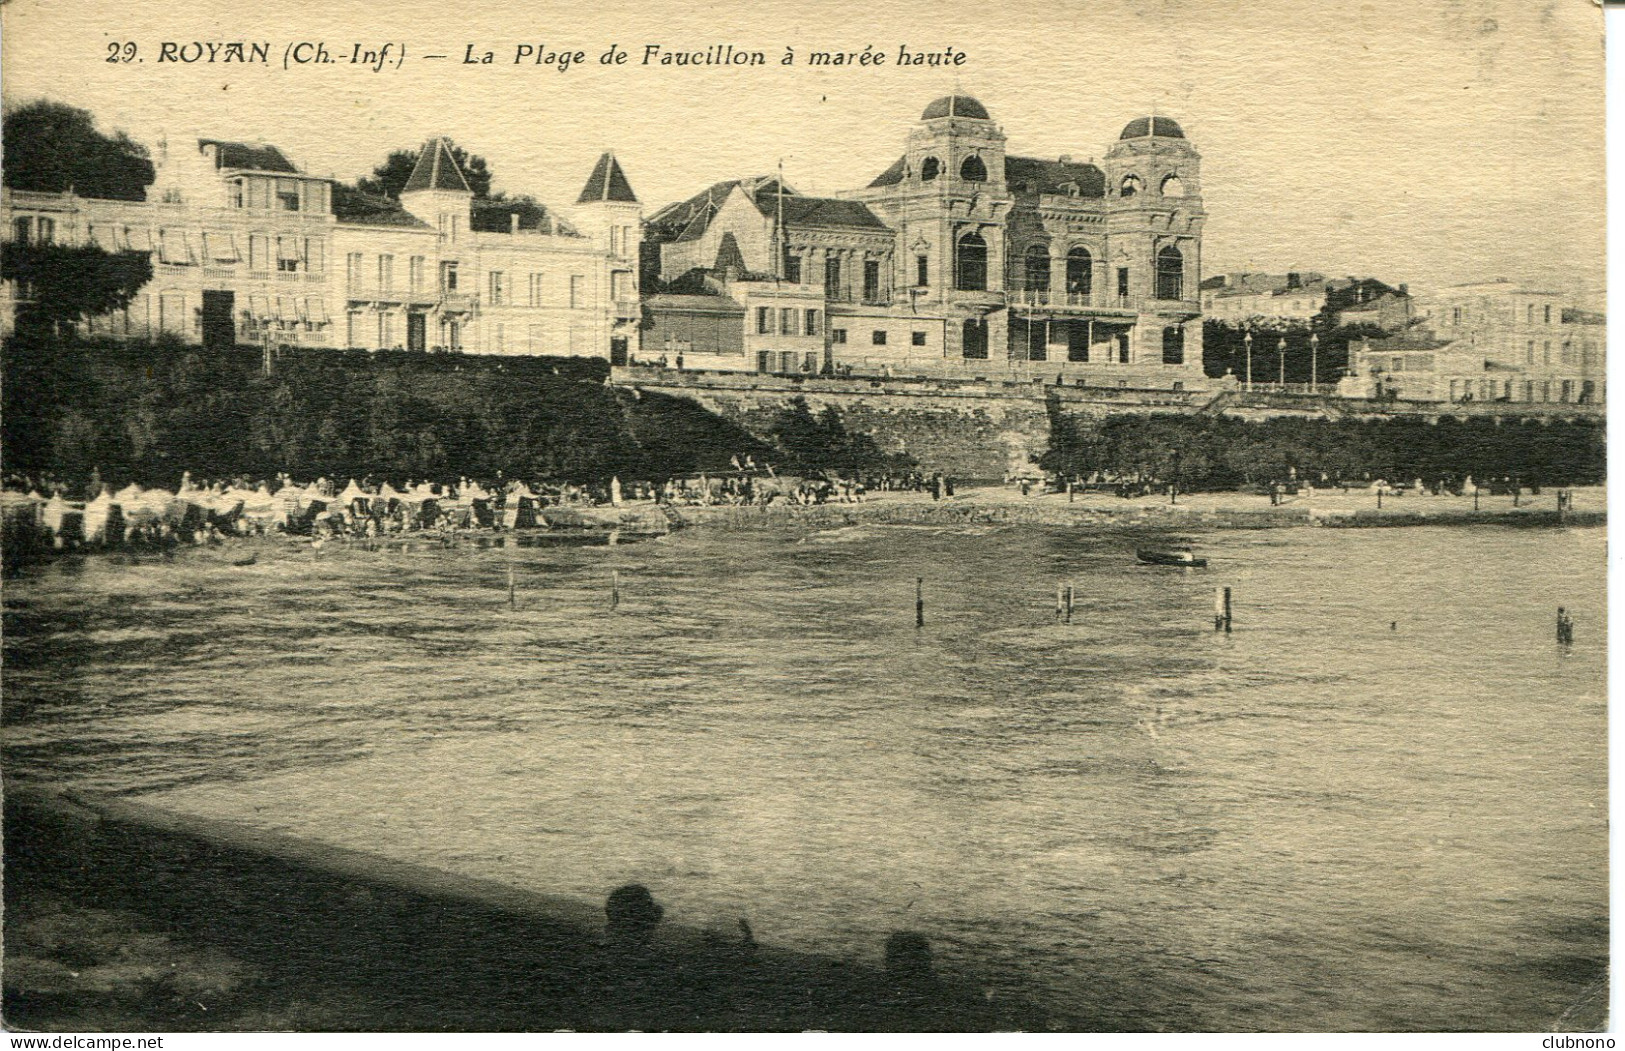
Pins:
x,y
437,170
437,191
607,183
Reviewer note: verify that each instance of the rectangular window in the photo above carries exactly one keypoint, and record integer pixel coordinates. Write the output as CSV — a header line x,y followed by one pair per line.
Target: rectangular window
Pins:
x,y
47,230
1455,316
578,291
501,338
414,273
496,280
918,339
535,337
922,270
535,290
764,321
19,229
837,335
871,279
448,277
1549,321
878,337
288,254
386,330
315,255
832,276
787,321
352,329
1122,281
1529,353
237,196
259,255
1546,353
792,268
812,322
386,271
287,194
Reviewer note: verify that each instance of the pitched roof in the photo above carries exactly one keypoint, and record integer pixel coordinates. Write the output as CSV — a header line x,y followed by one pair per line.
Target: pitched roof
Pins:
x,y
1037,175
893,175
437,169
259,157
364,209
607,183
818,211
688,220
674,221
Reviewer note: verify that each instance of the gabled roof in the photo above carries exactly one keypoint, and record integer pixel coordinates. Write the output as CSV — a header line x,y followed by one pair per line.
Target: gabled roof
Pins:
x,y
607,183
690,217
1037,175
258,157
437,170
688,220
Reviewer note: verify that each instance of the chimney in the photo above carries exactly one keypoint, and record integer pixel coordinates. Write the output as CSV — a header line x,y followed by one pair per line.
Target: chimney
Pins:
x,y
513,222
1404,289
1293,280
1066,158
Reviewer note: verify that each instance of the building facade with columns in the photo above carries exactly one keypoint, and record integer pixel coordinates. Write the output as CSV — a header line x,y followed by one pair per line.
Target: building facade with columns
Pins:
x,y
963,258
246,248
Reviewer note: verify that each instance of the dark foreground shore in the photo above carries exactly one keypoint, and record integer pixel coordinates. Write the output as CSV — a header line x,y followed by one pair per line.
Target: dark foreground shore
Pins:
x,y
122,916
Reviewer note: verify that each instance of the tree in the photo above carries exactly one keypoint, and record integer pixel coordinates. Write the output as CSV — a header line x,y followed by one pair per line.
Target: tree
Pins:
x,y
50,148
61,284
389,178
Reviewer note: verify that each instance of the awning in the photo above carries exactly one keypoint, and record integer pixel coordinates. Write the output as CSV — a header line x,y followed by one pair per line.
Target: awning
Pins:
x,y
287,308
174,247
222,248
287,249
259,306
316,310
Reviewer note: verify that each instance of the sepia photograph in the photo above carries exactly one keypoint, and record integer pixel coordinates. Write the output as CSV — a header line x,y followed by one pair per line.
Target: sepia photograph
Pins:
x,y
1080,517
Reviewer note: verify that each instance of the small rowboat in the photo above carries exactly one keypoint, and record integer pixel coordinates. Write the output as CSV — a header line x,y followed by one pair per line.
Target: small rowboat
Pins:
x,y
1169,556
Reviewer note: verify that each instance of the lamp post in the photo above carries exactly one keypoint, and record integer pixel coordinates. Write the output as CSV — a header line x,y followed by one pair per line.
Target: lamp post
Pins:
x,y
1280,357
1314,360
1248,339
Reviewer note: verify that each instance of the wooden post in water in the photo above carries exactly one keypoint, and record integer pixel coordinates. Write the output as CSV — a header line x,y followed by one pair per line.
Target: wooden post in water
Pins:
x,y
1475,498
1060,599
1069,603
510,588
919,602
1379,498
1221,610
614,588
1069,497
1517,491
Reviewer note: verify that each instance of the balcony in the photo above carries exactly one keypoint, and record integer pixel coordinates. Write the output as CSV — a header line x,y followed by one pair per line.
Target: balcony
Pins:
x,y
1054,304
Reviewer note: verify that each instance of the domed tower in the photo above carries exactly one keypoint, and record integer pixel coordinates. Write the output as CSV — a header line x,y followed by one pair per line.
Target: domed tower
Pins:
x,y
956,147
1154,211
1154,220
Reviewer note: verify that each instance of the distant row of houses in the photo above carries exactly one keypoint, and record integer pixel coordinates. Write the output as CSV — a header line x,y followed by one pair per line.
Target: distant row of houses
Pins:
x,y
960,259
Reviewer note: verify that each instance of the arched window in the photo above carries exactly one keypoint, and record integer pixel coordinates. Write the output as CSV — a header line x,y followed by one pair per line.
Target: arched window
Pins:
x,y
973,170
1170,273
974,344
970,263
1036,266
1080,271
1132,184
1173,187
930,168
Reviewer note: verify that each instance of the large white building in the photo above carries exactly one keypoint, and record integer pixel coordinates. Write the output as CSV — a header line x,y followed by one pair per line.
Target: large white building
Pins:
x,y
960,258
246,248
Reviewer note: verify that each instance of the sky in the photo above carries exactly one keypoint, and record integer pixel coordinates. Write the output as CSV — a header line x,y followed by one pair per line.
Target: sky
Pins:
x,y
1421,141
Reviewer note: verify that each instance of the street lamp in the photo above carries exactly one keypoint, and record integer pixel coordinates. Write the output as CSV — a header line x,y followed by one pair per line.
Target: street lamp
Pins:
x,y
1314,360
1249,341
1280,356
